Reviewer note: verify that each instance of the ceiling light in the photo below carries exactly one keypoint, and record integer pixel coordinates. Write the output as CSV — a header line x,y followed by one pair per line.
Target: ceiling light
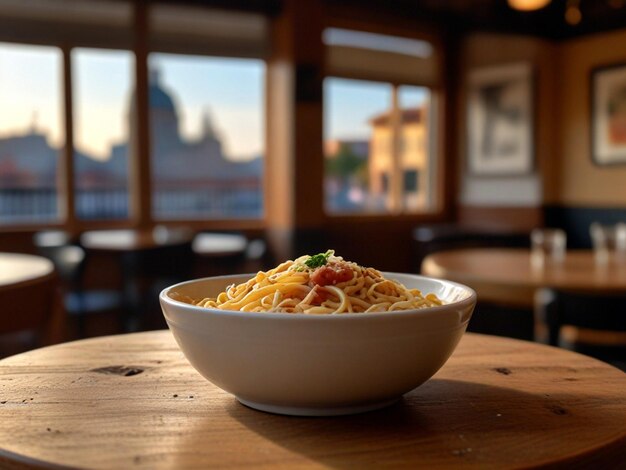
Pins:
x,y
528,5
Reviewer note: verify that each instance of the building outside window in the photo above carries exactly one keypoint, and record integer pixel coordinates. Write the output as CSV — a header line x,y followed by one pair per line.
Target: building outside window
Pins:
x,y
206,122
206,113
379,146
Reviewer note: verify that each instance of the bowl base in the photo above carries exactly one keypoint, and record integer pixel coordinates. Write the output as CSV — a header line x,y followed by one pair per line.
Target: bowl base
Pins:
x,y
303,411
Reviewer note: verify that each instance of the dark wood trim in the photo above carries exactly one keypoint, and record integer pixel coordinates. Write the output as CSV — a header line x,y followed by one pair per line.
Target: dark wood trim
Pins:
x,y
140,170
447,130
65,169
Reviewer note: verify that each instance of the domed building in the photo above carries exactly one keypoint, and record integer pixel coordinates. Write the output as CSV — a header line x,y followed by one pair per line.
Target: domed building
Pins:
x,y
191,178
194,175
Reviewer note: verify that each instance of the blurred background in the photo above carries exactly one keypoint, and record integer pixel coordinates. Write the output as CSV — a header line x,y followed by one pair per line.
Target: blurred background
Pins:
x,y
212,137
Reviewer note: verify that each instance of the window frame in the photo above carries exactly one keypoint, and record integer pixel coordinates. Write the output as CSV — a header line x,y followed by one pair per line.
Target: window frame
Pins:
x,y
435,154
139,185
439,149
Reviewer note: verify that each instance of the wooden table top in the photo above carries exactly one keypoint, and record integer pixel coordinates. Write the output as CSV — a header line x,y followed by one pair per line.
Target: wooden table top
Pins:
x,y
219,244
133,401
508,273
18,268
134,240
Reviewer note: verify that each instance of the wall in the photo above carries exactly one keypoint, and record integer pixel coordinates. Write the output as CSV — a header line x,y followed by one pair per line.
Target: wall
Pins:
x,y
511,202
581,182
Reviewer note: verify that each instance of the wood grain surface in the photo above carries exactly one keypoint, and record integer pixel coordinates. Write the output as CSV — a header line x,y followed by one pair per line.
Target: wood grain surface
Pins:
x,y
506,274
132,401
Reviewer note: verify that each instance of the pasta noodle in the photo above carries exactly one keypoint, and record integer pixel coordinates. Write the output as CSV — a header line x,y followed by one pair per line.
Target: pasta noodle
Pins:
x,y
320,284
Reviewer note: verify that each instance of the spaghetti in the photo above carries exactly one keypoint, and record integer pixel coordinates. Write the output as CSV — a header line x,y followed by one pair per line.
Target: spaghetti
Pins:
x,y
319,284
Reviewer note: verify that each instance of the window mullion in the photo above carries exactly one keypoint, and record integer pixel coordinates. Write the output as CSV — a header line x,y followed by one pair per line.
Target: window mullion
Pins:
x,y
395,187
66,163
139,161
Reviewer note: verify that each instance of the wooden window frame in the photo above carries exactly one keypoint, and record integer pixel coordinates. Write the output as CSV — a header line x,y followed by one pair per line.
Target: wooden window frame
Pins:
x,y
140,184
436,155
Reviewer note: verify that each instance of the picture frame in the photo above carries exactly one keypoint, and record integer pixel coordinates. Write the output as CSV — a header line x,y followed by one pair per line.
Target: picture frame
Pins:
x,y
500,120
608,115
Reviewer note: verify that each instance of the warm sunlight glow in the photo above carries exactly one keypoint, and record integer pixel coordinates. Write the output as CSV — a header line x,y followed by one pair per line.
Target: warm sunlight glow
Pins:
x,y
528,5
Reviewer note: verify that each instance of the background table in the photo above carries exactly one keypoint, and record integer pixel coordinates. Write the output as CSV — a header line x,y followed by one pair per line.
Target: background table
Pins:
x,y
506,275
131,240
29,302
17,269
133,401
149,260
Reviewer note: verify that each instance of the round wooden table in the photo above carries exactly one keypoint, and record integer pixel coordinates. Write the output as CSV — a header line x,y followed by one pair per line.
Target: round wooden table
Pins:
x,y
506,274
17,269
131,240
29,300
134,401
145,257
219,245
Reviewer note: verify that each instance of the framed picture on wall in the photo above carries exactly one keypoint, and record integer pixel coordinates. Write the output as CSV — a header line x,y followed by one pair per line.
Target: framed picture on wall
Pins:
x,y
500,120
608,115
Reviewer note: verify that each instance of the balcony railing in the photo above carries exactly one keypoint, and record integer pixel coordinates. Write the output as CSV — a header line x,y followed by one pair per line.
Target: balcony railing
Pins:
x,y
40,205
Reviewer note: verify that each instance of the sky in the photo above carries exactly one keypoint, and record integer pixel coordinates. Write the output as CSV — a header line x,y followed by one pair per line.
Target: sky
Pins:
x,y
30,86
350,104
230,90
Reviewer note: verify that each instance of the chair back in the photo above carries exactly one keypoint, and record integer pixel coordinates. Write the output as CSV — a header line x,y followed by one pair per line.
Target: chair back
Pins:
x,y
33,305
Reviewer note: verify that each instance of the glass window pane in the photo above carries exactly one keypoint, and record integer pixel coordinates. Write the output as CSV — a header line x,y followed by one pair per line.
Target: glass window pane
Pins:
x,y
207,128
31,133
415,150
354,182
102,91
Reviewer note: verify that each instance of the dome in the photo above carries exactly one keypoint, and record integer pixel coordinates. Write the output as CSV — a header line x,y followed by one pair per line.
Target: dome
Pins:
x,y
157,97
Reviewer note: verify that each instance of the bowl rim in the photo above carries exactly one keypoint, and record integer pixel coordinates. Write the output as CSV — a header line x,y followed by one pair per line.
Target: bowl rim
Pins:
x,y
464,303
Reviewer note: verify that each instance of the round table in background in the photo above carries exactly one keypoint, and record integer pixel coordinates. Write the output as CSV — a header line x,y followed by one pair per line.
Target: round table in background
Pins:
x,y
219,245
17,269
134,401
132,240
506,274
144,255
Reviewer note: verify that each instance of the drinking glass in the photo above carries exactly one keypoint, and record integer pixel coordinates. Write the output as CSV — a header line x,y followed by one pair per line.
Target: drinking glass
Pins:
x,y
609,242
547,246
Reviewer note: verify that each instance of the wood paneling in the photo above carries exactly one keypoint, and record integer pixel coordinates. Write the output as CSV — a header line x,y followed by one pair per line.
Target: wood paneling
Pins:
x,y
581,182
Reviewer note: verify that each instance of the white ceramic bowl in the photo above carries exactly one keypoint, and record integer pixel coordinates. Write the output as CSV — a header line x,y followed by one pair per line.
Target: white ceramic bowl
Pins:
x,y
299,364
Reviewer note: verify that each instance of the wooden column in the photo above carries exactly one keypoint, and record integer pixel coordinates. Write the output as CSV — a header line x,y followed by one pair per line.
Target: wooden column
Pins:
x,y
140,173
295,163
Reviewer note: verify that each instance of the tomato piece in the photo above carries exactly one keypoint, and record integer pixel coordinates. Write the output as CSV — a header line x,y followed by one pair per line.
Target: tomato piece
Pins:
x,y
331,274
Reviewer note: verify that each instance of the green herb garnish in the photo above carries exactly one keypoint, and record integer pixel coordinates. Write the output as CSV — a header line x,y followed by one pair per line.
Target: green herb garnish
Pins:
x,y
319,259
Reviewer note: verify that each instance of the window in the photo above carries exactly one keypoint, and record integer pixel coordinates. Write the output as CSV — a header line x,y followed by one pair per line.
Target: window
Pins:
x,y
102,94
384,182
417,163
411,181
350,137
387,115
361,163
31,133
206,109
206,118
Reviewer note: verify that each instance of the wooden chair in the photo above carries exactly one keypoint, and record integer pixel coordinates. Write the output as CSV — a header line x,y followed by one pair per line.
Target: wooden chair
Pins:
x,y
590,324
69,261
31,311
